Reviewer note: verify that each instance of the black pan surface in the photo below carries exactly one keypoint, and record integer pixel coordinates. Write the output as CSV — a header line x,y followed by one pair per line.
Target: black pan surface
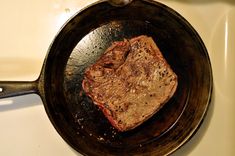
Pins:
x,y
81,42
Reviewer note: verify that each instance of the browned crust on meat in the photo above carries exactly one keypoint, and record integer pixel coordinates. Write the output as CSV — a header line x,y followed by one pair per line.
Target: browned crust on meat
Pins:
x,y
130,82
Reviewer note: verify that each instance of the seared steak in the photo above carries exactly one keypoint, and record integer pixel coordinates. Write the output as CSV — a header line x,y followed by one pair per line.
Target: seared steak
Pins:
x,y
130,82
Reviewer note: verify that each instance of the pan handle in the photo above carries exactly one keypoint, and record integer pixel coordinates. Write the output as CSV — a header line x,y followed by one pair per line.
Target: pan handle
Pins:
x,y
119,3
16,88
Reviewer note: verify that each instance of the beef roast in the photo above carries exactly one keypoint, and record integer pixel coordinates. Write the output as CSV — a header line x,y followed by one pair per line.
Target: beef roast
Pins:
x,y
130,82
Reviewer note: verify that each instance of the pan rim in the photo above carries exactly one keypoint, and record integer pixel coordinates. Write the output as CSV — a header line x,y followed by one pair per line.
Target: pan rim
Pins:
x,y
156,4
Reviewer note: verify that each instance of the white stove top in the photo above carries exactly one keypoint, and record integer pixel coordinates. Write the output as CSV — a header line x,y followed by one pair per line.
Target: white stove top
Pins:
x,y
26,31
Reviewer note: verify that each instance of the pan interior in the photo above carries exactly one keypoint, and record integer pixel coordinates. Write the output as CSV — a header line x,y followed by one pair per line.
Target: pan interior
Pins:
x,y
83,40
88,117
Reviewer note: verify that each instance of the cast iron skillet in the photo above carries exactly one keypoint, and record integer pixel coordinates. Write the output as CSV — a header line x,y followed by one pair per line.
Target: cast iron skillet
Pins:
x,y
82,40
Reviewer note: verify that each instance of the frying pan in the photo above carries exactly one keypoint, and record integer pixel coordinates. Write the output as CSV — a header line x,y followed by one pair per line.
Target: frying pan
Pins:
x,y
80,43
